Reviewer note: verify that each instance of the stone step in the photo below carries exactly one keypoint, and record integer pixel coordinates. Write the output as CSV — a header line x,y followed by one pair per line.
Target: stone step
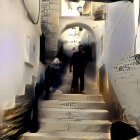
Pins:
x,y
67,125
77,97
67,135
66,90
85,114
91,91
73,104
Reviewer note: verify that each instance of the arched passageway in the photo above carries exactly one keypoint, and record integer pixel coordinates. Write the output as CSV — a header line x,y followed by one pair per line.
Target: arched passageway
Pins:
x,y
78,24
73,35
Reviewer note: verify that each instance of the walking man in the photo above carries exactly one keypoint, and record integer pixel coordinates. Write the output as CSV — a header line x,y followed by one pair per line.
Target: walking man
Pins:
x,y
77,65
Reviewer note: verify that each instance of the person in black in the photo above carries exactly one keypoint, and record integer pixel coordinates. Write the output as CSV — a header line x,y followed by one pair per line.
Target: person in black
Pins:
x,y
78,62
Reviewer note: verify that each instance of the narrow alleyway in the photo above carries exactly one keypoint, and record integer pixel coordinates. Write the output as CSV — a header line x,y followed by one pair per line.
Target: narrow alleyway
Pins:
x,y
73,116
38,32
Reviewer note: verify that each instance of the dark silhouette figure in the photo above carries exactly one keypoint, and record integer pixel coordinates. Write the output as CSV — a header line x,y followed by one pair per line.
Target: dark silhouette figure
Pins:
x,y
57,74
78,62
123,131
63,59
49,80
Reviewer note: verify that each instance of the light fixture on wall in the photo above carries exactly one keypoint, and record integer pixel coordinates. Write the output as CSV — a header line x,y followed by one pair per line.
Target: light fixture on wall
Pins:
x,y
79,8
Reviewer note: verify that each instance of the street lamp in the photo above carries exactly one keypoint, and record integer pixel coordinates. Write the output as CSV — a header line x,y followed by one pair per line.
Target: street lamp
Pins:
x,y
79,8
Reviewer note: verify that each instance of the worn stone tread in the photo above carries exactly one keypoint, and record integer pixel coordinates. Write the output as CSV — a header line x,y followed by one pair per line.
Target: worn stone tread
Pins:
x,y
73,104
74,125
86,114
77,97
75,121
66,135
74,110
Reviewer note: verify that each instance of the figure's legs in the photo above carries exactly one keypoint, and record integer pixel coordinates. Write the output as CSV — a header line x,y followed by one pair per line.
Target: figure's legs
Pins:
x,y
75,81
57,78
81,82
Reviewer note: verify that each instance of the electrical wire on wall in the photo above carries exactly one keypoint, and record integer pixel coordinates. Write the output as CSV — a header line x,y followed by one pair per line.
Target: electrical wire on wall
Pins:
x,y
29,15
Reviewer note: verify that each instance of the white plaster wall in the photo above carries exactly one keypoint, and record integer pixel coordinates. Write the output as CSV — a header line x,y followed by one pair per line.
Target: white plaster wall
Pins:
x,y
136,13
86,35
119,29
15,27
119,51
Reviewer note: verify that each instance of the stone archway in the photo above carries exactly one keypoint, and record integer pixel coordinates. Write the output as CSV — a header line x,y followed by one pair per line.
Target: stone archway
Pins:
x,y
70,22
79,25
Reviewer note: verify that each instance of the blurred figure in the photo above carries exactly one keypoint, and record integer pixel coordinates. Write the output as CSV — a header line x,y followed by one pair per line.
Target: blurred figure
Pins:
x,y
63,58
57,74
77,65
49,80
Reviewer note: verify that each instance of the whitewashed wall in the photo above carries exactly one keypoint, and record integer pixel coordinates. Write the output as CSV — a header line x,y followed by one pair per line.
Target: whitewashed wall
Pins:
x,y
122,68
15,29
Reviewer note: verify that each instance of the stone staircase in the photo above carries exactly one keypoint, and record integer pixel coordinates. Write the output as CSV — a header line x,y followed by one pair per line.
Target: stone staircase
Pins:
x,y
73,117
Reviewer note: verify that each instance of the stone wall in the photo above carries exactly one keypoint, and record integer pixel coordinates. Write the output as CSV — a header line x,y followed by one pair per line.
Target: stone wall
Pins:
x,y
50,25
105,86
119,57
17,119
